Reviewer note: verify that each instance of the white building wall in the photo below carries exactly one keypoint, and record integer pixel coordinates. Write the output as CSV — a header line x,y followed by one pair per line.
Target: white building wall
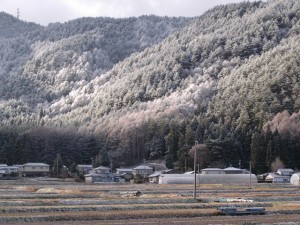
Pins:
x,y
207,179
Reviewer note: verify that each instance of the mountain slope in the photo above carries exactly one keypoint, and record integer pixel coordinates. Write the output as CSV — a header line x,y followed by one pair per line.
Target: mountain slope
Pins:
x,y
48,62
149,87
196,57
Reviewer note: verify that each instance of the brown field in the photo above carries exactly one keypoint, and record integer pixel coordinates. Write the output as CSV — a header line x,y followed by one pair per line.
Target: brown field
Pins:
x,y
41,202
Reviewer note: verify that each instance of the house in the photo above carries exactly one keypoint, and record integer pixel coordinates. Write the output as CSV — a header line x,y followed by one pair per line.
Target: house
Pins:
x,y
35,169
83,169
101,169
124,173
295,179
119,179
143,171
285,172
98,178
9,169
277,178
281,176
212,171
99,175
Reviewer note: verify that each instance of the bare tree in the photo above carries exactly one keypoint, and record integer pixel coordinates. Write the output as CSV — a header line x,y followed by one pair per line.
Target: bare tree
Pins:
x,y
202,154
277,164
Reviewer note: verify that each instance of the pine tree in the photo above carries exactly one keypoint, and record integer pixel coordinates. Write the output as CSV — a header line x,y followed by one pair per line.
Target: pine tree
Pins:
x,y
57,165
169,160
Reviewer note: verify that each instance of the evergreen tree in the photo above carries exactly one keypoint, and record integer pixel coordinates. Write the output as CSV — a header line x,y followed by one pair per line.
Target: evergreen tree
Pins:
x,y
257,153
169,160
104,158
57,165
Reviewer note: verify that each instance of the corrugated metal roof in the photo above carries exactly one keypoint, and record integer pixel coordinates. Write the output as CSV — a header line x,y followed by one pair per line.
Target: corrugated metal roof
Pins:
x,y
157,173
101,168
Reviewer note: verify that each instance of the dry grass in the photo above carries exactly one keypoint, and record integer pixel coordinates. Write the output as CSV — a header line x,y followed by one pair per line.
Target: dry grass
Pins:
x,y
71,202
111,215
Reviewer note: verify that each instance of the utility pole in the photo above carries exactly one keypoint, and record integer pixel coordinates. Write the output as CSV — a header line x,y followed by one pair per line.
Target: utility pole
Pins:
x,y
195,167
18,13
250,173
57,165
111,164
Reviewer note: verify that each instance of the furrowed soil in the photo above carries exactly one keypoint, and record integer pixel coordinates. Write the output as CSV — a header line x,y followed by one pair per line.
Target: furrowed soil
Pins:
x,y
52,201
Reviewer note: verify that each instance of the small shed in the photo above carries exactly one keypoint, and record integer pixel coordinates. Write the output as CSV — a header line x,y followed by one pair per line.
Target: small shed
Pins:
x,y
99,177
295,179
154,178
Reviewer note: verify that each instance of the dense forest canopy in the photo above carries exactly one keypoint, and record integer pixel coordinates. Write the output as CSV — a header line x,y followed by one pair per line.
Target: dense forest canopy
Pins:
x,y
149,87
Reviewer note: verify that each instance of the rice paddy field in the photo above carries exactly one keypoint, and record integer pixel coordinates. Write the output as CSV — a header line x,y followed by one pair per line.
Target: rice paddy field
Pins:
x,y
49,201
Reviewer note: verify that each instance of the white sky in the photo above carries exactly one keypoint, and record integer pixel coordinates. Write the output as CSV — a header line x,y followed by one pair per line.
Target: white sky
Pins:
x,y
49,11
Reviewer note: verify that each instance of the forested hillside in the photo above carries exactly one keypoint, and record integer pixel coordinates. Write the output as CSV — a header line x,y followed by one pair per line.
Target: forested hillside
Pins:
x,y
149,87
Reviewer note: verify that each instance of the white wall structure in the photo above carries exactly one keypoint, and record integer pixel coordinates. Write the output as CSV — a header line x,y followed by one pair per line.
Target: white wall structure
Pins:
x,y
212,171
295,179
207,179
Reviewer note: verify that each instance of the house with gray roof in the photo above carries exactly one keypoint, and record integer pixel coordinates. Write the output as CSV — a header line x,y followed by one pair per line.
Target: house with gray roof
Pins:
x,y
285,172
277,178
35,169
100,174
142,170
